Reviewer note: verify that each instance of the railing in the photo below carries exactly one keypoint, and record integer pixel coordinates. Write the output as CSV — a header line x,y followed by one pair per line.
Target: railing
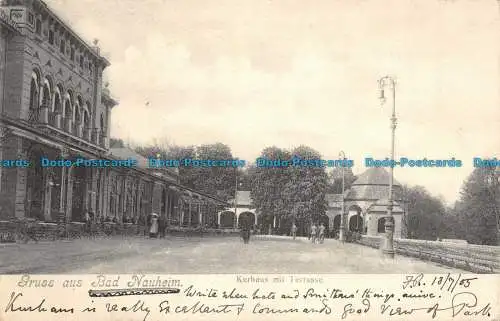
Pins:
x,y
43,115
473,258
34,114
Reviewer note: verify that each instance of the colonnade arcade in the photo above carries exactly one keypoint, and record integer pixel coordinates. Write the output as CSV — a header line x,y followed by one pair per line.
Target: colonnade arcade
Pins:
x,y
55,194
228,219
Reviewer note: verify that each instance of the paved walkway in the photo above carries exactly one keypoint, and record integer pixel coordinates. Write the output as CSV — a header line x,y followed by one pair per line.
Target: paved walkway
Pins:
x,y
202,255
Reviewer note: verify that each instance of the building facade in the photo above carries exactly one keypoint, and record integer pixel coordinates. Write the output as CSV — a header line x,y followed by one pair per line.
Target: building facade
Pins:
x,y
54,104
240,213
365,204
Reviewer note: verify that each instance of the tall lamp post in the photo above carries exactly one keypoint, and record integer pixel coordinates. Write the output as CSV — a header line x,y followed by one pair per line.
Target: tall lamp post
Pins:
x,y
342,223
236,198
388,246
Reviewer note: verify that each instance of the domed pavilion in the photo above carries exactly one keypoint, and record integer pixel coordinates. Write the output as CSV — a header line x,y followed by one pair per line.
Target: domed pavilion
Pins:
x,y
365,204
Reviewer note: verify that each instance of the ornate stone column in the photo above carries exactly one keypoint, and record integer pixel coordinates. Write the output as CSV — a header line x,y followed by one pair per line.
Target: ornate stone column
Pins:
x,y
200,215
58,119
190,214
87,134
47,194
69,194
68,125
96,139
79,130
44,114
4,134
21,184
63,189
181,218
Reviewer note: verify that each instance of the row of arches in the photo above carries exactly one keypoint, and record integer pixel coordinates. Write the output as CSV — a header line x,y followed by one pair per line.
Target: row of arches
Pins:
x,y
228,219
71,106
355,223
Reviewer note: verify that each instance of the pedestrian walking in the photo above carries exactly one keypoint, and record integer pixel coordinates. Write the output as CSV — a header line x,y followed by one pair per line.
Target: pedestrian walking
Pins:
x,y
88,223
314,230
161,226
245,233
28,230
153,230
322,233
294,230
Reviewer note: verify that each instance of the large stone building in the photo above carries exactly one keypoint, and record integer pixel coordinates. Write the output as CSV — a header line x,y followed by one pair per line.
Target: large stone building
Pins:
x,y
53,104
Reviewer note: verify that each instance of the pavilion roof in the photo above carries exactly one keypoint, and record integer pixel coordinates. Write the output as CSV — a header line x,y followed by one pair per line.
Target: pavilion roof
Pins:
x,y
375,176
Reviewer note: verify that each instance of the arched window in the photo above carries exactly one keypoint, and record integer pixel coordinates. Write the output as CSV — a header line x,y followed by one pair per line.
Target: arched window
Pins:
x,y
51,36
47,93
58,101
34,91
78,111
381,225
38,26
62,45
86,116
68,107
102,122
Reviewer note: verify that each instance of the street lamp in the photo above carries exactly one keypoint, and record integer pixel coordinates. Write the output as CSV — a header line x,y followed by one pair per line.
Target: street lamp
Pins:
x,y
236,198
342,223
388,246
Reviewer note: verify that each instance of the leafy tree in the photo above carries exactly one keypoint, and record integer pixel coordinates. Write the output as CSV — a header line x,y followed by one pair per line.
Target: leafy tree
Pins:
x,y
451,225
289,193
116,143
218,181
424,215
244,180
266,185
479,206
305,192
335,180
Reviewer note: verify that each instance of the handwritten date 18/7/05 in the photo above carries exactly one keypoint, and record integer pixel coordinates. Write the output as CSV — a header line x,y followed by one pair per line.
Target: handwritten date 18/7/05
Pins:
x,y
444,283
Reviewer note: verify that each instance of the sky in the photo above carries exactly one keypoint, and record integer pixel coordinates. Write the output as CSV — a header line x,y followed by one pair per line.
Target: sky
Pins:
x,y
259,73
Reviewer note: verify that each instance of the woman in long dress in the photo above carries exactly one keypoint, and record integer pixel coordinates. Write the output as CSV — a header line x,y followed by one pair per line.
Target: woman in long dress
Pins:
x,y
153,231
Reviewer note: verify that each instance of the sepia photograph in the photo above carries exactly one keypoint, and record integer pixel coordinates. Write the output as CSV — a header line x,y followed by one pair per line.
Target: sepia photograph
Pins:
x,y
249,137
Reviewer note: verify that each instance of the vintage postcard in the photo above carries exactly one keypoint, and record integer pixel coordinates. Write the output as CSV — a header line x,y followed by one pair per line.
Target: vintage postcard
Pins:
x,y
249,160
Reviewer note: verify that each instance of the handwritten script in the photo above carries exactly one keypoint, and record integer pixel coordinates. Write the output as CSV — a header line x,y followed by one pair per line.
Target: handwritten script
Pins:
x,y
415,296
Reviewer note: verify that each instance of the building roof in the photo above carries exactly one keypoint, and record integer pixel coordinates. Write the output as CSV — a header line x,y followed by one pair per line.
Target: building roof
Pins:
x,y
126,153
374,176
334,200
372,192
373,184
142,163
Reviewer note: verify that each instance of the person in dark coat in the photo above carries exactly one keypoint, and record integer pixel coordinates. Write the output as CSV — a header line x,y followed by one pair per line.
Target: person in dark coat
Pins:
x,y
245,233
161,226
